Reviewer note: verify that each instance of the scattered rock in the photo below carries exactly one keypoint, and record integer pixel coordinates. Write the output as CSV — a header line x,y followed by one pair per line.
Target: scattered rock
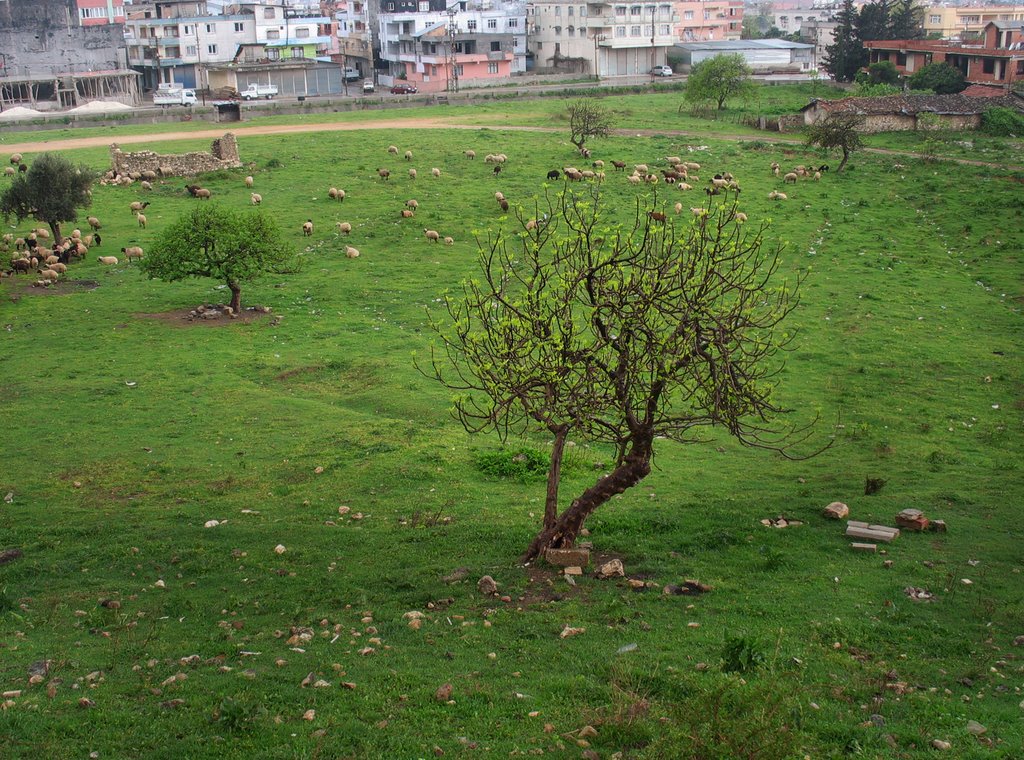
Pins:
x,y
877,720
587,732
309,715
9,498
279,549
577,557
456,575
1019,641
689,586
887,564
780,522
937,526
611,569
172,704
939,744
975,728
9,555
918,594
443,693
573,570
211,523
569,631
487,586
836,511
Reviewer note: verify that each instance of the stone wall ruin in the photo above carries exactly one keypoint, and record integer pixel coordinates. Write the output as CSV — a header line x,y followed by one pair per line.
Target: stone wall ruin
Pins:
x,y
223,155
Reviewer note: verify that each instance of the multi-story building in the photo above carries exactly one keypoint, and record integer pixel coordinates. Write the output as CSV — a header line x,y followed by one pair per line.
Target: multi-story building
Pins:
x,y
704,20
99,12
819,33
293,32
943,21
355,24
440,48
601,39
996,59
173,41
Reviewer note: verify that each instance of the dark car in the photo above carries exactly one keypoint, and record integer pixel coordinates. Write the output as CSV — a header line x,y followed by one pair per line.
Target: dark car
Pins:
x,y
403,89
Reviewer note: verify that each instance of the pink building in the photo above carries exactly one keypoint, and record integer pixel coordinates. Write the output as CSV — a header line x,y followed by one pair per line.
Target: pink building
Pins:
x,y
99,12
703,20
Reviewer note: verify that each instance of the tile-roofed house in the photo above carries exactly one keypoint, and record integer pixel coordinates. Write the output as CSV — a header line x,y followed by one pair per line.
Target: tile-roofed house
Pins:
x,y
902,112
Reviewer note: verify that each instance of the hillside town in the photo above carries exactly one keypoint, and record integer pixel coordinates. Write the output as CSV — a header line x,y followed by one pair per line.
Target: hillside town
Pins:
x,y
61,54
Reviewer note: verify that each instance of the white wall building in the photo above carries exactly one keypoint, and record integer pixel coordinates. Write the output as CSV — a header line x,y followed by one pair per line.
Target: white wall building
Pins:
x,y
601,38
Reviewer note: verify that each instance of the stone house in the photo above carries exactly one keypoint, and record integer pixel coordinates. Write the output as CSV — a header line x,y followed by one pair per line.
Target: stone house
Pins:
x,y
905,112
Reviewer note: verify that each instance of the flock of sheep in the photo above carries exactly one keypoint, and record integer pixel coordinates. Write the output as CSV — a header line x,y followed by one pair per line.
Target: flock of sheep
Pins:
x,y
29,253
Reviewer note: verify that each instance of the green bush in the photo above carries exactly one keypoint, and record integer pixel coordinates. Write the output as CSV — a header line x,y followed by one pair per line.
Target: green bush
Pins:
x,y
521,462
1002,122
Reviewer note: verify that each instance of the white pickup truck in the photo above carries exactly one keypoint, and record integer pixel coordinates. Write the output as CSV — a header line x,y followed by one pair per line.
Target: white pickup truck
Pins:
x,y
174,96
255,91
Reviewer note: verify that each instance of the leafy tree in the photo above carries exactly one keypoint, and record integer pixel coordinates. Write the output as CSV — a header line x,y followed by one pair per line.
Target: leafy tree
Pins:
x,y
883,72
844,57
941,78
873,21
1003,122
618,333
52,190
718,79
840,130
587,119
906,20
212,241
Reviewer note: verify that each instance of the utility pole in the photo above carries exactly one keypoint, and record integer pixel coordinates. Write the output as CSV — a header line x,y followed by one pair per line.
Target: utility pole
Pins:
x,y
453,77
654,9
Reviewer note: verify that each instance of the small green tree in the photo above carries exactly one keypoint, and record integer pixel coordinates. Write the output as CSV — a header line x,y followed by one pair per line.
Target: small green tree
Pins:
x,y
52,190
718,79
940,78
587,119
883,72
212,241
837,130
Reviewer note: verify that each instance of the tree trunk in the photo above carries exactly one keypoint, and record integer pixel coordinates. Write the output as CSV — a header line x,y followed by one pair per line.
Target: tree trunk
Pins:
x,y
554,477
236,296
634,468
846,155
55,229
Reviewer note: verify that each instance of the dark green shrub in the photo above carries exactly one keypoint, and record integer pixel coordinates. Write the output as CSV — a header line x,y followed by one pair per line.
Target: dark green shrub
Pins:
x,y
521,462
940,78
1002,122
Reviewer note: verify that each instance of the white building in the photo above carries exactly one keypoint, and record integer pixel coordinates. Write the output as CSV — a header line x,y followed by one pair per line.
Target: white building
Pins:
x,y
173,42
601,38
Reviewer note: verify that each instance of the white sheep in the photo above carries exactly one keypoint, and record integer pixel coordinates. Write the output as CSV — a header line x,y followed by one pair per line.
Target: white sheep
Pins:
x,y
15,158
817,176
344,227
352,253
679,208
132,252
634,179
108,260
203,193
43,233
432,235
249,181
408,213
448,240
412,174
692,166
740,217
48,274
775,195
499,196
58,267
408,155
412,203
471,154
255,199
699,212
142,220
393,149
435,172
790,177
641,168
673,160
145,185
137,206
684,186
599,164
336,194
307,228
10,171
94,222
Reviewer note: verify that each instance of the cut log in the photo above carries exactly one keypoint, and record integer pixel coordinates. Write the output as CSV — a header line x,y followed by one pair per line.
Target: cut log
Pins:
x,y
875,533
864,547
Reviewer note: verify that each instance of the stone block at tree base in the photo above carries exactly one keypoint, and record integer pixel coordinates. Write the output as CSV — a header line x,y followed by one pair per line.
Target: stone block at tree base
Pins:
x,y
568,557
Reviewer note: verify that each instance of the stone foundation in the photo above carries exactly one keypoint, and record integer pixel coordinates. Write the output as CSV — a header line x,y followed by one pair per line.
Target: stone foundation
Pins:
x,y
223,155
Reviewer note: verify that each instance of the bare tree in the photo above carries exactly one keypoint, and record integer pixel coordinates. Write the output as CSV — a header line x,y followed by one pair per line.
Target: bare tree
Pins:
x,y
619,334
587,119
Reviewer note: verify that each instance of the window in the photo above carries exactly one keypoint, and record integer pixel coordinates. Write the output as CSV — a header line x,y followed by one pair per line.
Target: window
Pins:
x,y
634,31
273,34
571,10
433,70
935,19
988,65
620,10
302,31
571,31
471,25
540,45
188,30
515,43
424,6
85,13
583,11
211,49
192,51
649,30
297,52
688,15
210,29
634,10
558,10
665,12
269,13
663,30
172,51
513,23
495,46
972,19
620,31
558,31
273,54
492,68
239,26
492,23
458,69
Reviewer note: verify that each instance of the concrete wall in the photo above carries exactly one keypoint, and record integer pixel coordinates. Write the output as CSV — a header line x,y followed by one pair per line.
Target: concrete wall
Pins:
x,y
36,41
223,155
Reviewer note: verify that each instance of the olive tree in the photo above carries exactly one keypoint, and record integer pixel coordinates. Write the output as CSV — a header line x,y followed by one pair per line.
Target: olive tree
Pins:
x,y
216,242
617,333
840,130
587,118
52,191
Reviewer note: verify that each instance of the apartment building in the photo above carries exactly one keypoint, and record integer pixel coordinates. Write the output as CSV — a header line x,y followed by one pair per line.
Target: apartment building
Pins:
x,y
944,21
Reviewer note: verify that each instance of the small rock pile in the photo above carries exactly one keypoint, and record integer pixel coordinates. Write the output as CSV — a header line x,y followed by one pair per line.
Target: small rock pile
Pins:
x,y
219,311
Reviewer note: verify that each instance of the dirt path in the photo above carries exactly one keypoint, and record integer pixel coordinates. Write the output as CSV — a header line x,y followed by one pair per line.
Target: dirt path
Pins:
x,y
284,129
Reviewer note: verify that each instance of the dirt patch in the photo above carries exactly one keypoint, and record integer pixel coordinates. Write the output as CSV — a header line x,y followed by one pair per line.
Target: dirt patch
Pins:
x,y
24,287
180,318
290,373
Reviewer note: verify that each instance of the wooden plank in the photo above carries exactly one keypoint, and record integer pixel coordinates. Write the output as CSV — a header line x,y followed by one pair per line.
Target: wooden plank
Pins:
x,y
864,547
876,535
857,523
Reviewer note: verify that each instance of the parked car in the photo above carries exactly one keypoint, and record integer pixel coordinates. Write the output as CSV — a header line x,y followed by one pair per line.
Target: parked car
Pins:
x,y
368,85
403,88
662,71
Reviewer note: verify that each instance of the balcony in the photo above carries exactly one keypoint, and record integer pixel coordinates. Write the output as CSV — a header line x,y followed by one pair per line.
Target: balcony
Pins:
x,y
618,43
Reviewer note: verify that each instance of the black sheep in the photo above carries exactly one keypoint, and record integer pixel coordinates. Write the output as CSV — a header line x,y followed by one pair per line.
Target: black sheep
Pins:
x,y
554,174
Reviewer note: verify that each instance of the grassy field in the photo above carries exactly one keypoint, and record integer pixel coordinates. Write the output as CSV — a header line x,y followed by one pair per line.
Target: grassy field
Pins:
x,y
129,428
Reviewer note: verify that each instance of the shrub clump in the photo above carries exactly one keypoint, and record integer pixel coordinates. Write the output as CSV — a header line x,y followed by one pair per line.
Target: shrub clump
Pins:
x,y
1002,122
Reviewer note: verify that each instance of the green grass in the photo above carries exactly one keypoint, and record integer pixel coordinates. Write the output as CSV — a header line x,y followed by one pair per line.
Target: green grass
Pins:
x,y
908,344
